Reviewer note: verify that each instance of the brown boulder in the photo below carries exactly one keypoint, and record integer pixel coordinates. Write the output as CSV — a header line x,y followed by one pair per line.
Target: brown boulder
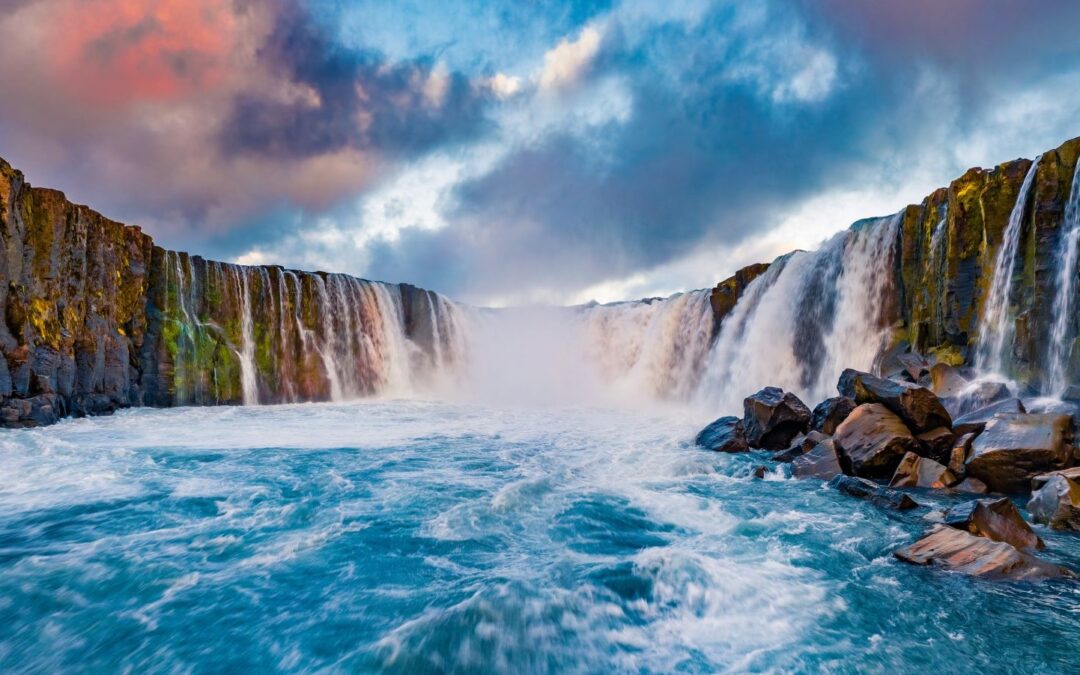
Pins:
x,y
773,417
1057,503
723,435
862,488
978,556
872,441
946,380
958,456
917,406
996,519
974,422
937,444
1015,447
830,413
921,472
800,446
821,462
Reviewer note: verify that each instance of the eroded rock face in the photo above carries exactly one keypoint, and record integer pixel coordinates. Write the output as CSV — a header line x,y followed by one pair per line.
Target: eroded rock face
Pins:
x,y
872,441
921,472
861,488
773,418
823,461
1056,503
996,519
723,435
830,413
917,406
961,551
1013,448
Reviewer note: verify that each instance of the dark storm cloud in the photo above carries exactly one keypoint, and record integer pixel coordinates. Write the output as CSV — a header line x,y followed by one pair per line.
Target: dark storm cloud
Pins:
x,y
348,98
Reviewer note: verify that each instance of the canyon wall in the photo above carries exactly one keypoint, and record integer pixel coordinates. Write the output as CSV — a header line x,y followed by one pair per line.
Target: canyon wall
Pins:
x,y
96,317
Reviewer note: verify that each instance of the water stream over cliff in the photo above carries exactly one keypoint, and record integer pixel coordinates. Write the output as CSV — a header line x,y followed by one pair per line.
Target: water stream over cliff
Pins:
x,y
994,327
1062,329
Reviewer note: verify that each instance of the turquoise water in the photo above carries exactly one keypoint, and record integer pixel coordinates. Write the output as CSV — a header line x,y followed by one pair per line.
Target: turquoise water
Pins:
x,y
429,537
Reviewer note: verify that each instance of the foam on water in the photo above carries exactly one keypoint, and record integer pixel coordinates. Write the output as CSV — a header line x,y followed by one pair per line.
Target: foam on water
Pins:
x,y
411,536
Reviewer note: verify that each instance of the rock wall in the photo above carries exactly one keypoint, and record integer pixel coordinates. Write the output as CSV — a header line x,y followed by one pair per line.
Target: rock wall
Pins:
x,y
944,278
96,317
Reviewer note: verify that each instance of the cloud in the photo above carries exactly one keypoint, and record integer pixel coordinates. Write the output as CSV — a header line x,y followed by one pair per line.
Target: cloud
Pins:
x,y
565,63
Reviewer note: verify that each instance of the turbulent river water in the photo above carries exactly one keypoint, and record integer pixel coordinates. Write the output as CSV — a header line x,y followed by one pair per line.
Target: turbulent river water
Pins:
x,y
419,536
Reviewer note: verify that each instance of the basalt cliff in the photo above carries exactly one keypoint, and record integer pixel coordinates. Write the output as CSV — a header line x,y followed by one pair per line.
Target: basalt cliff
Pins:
x,y
96,317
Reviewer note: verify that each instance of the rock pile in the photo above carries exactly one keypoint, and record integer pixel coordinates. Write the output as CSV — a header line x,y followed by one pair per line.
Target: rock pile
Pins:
x,y
881,436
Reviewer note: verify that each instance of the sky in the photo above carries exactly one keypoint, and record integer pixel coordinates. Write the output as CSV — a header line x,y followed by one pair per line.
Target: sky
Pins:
x,y
524,152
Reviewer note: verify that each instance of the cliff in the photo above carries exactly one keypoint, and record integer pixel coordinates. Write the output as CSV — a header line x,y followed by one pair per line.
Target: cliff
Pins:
x,y
96,317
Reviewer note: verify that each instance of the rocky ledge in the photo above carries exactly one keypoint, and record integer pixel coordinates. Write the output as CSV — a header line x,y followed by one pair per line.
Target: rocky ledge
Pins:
x,y
928,428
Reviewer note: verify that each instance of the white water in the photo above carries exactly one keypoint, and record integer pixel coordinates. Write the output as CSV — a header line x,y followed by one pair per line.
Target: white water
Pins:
x,y
811,315
1064,306
994,324
248,382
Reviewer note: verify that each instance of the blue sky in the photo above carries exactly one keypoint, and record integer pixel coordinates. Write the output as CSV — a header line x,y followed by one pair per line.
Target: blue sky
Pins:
x,y
510,152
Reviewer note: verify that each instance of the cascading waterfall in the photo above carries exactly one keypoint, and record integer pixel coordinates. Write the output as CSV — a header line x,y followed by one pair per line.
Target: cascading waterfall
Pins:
x,y
994,325
1064,306
811,315
256,334
655,347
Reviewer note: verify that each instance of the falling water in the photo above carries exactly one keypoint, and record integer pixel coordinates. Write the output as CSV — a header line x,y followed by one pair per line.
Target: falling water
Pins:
x,y
1058,349
248,383
811,315
994,325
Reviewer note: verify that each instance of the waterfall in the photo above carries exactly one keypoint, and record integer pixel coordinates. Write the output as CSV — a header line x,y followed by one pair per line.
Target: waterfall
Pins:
x,y
656,347
249,385
1058,348
994,325
811,315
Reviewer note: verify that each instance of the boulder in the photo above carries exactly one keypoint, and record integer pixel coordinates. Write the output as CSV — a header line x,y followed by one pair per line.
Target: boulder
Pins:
x,y
946,381
802,444
971,485
1014,447
964,552
996,519
1072,394
921,472
974,421
772,418
872,441
920,409
723,435
937,444
1057,503
821,462
861,488
759,471
1072,473
958,456
830,413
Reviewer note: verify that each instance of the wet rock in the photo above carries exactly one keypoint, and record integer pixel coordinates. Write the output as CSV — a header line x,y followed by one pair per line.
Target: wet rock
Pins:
x,y
996,519
1057,503
36,411
800,446
1013,448
723,435
975,421
937,444
917,406
759,472
861,488
921,472
958,456
964,552
872,441
971,485
978,396
823,461
773,418
830,413
946,381
1072,473
1072,394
